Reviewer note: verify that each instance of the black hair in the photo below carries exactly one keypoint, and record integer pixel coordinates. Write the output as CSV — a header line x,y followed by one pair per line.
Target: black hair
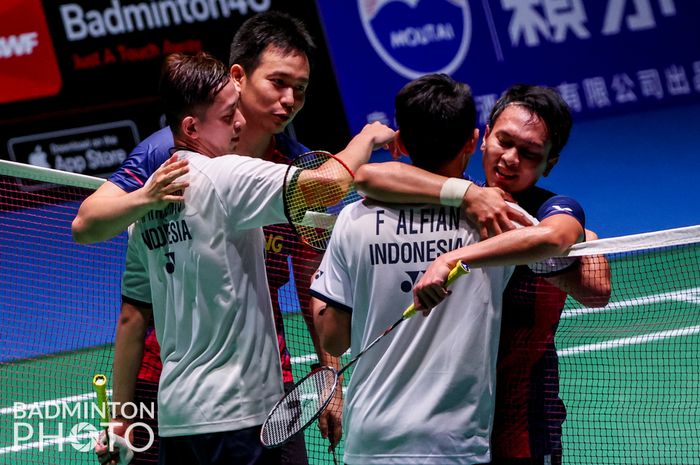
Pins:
x,y
544,102
189,84
271,28
436,116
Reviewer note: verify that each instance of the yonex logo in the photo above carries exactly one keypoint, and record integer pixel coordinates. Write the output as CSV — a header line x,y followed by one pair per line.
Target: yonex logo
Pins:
x,y
318,274
415,37
407,285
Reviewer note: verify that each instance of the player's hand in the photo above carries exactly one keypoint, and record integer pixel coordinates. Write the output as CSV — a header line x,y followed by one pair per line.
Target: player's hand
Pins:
x,y
120,453
379,134
330,423
163,187
430,289
486,208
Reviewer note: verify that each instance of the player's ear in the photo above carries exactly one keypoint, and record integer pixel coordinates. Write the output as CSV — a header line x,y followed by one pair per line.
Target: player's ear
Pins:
x,y
551,161
237,73
470,145
400,146
487,131
188,127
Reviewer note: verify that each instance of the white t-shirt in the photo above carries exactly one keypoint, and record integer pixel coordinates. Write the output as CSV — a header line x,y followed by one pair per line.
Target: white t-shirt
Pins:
x,y
201,265
425,393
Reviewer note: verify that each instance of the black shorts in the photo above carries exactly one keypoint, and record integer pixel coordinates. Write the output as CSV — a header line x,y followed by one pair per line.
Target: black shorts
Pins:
x,y
225,448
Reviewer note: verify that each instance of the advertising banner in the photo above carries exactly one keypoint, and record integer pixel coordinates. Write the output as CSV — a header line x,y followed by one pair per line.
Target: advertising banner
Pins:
x,y
605,57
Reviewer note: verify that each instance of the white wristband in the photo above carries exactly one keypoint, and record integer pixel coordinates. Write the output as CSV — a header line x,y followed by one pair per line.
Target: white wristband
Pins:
x,y
453,191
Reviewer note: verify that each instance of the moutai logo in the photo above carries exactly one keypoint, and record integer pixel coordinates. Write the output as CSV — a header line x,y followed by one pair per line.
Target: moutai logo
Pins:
x,y
415,37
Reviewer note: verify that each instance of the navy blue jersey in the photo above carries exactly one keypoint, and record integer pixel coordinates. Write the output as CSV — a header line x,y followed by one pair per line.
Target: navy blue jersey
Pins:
x,y
143,160
529,412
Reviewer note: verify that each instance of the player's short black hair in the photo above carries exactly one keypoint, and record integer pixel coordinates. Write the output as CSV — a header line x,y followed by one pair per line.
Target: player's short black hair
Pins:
x,y
436,116
544,102
271,28
189,84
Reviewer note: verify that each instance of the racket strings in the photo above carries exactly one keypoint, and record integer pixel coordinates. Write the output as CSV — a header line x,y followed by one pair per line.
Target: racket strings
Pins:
x,y
301,406
314,202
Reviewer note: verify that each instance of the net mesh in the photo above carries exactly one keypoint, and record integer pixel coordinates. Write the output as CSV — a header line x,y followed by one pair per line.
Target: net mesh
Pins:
x,y
625,366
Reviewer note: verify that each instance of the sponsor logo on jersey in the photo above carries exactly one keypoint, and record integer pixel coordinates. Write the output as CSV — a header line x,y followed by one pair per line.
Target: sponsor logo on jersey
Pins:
x,y
415,37
28,66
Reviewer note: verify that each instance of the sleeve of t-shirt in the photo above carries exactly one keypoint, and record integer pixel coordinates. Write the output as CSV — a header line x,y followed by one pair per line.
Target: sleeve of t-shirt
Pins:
x,y
558,205
332,283
251,190
140,164
136,286
562,205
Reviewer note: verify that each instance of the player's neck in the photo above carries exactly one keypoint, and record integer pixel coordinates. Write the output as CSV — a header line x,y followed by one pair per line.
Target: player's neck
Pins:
x,y
255,144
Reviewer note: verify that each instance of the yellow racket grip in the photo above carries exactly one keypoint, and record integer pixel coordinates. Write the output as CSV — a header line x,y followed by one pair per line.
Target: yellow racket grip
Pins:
x,y
99,383
458,270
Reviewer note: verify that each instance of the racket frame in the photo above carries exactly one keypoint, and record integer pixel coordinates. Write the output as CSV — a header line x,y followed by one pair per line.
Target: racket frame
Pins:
x,y
313,418
285,187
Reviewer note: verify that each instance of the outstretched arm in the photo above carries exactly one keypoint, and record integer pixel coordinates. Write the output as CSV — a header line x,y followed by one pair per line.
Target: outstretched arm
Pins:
x,y
552,237
109,210
397,182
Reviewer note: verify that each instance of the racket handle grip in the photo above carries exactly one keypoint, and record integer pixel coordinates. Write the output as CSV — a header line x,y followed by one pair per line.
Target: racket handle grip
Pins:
x,y
458,270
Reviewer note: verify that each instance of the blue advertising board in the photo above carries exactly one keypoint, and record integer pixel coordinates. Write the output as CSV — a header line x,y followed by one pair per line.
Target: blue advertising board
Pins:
x,y
629,69
606,57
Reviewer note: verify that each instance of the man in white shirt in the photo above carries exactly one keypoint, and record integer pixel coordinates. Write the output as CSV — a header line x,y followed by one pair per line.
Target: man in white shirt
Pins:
x,y
200,266
424,394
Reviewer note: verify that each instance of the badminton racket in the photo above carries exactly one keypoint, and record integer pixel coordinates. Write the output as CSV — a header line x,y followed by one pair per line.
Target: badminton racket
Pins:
x,y
310,396
313,199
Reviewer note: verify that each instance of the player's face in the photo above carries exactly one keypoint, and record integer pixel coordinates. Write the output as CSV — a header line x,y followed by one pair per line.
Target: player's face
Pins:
x,y
220,127
275,91
515,150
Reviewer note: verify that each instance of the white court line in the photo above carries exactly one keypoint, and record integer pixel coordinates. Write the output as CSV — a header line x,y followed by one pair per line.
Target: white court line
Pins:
x,y
688,295
628,341
45,443
43,403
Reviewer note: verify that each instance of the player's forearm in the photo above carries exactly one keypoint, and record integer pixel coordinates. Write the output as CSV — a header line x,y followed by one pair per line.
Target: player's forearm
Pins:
x,y
588,283
128,352
101,218
360,148
399,183
516,247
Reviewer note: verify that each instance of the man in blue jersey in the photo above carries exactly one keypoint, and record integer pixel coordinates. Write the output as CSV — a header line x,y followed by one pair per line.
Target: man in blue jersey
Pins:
x,y
270,59
528,127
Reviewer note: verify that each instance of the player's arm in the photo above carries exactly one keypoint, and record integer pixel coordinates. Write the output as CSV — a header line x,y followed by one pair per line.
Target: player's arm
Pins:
x,y
551,237
589,282
332,326
357,152
110,210
397,182
330,423
372,137
128,349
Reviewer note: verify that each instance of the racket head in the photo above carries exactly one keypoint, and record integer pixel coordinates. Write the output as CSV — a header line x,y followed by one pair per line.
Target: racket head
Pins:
x,y
313,207
300,407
